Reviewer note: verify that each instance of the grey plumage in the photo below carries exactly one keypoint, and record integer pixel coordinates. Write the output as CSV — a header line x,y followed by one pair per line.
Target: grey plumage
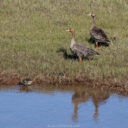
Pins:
x,y
79,49
83,51
98,34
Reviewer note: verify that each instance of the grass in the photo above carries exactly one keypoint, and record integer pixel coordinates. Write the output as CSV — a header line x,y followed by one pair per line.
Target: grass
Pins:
x,y
32,32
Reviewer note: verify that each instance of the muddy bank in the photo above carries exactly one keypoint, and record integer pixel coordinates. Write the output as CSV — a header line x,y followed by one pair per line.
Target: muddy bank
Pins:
x,y
14,79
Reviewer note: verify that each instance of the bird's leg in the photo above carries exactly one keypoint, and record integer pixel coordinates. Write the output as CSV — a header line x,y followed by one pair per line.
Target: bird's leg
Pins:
x,y
96,44
80,59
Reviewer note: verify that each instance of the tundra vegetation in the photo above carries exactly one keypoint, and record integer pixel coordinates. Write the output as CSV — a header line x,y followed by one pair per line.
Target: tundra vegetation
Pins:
x,y
34,43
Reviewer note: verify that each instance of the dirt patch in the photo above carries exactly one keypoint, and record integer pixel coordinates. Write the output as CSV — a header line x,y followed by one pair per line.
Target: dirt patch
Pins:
x,y
6,79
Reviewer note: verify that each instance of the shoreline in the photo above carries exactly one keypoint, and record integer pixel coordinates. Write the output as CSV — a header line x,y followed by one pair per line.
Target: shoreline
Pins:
x,y
14,79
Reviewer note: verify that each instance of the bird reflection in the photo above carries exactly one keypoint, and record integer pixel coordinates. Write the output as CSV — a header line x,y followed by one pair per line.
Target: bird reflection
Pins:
x,y
98,96
25,89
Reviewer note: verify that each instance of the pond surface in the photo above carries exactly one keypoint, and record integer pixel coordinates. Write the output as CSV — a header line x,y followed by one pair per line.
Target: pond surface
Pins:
x,y
48,107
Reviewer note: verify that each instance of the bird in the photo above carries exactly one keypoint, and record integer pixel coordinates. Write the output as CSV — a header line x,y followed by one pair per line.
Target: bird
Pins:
x,y
98,34
79,49
26,82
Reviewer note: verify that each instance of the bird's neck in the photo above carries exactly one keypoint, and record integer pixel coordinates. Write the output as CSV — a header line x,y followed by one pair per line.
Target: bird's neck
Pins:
x,y
73,39
93,24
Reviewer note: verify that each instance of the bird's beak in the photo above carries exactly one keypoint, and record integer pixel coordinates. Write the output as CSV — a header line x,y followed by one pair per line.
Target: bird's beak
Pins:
x,y
67,30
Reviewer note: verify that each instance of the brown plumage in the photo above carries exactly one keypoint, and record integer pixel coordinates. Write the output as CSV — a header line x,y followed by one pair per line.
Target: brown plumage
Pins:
x,y
79,49
98,34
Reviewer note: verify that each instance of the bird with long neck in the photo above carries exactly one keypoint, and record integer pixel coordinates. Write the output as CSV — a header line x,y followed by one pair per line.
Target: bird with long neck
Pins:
x,y
73,40
79,49
93,24
97,33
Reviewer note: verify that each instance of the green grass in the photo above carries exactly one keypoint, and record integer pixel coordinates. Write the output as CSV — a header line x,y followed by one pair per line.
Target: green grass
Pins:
x,y
31,33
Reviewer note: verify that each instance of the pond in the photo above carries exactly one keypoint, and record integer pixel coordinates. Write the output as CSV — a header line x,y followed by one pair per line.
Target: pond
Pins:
x,y
62,107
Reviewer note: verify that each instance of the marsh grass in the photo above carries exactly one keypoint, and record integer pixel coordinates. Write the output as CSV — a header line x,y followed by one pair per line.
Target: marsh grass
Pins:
x,y
32,32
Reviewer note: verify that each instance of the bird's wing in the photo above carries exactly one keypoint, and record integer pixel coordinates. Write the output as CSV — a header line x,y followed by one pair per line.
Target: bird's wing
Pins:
x,y
99,34
83,50
79,48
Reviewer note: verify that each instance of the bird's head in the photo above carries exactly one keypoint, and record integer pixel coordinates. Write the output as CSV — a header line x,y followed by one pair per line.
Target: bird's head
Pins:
x,y
70,30
92,15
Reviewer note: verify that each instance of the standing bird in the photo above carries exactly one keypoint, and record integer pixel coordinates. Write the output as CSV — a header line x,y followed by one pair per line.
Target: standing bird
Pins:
x,y
79,49
98,34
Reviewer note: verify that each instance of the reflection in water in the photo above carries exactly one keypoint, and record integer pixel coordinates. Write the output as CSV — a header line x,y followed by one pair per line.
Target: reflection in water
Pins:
x,y
25,89
97,95
52,106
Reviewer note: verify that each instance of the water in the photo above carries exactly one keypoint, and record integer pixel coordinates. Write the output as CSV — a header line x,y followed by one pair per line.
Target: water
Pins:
x,y
50,107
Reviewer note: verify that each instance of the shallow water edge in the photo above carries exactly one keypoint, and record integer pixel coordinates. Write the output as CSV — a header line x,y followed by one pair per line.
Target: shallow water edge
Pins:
x,y
14,79
62,106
